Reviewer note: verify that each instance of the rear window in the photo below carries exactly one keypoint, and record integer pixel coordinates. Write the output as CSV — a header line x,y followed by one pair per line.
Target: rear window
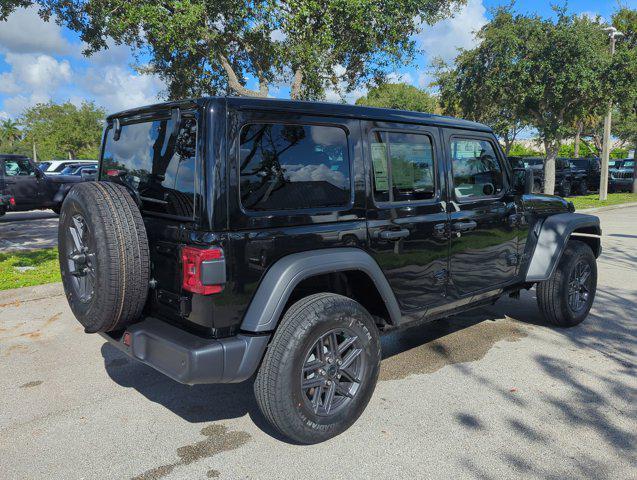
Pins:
x,y
287,167
156,163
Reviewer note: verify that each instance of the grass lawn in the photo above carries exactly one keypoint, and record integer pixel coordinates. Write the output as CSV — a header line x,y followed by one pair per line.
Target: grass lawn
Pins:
x,y
45,268
592,201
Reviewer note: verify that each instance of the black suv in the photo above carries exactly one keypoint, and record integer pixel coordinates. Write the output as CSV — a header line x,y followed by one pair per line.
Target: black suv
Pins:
x,y
564,178
22,180
229,237
586,174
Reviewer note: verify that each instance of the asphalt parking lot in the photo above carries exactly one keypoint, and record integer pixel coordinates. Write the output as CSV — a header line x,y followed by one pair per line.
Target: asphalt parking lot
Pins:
x,y
492,394
28,230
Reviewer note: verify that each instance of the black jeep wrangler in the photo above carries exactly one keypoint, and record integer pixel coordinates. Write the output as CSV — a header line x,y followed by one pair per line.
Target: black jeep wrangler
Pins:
x,y
229,237
29,187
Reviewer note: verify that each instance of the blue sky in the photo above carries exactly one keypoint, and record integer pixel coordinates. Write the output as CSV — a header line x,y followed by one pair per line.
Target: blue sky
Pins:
x,y
41,61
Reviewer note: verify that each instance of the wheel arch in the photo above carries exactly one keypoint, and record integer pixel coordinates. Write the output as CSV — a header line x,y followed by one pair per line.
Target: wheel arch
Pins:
x,y
553,237
277,288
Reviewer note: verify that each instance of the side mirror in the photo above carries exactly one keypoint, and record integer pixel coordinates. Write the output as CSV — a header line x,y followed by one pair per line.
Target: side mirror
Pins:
x,y
523,180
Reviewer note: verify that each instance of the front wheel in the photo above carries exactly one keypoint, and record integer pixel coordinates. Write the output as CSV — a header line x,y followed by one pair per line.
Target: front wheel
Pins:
x,y
565,189
320,369
567,296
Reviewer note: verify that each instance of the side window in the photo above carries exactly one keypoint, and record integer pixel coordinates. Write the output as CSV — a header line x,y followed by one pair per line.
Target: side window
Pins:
x,y
403,167
476,170
286,166
22,168
156,163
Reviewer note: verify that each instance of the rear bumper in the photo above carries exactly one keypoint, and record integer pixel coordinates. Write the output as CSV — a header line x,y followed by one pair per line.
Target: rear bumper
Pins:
x,y
188,358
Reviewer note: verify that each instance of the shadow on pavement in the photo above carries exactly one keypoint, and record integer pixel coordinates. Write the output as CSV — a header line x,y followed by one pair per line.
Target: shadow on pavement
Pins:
x,y
447,342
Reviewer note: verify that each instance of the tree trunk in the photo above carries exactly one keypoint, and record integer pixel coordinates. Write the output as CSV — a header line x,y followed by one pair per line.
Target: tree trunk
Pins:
x,y
552,147
295,91
35,153
635,170
578,135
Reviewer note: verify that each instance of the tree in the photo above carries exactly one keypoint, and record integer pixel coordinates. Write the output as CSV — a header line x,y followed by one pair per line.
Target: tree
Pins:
x,y
400,96
63,130
9,131
625,20
540,72
486,101
225,46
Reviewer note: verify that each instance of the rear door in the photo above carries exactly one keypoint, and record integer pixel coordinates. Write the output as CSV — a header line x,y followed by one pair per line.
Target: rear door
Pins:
x,y
158,164
483,248
406,216
22,181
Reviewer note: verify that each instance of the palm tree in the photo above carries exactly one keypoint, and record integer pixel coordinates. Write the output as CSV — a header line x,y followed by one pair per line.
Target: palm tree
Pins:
x,y
9,131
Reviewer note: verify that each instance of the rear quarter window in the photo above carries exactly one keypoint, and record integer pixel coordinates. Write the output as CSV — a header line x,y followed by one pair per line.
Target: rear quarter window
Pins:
x,y
291,167
156,162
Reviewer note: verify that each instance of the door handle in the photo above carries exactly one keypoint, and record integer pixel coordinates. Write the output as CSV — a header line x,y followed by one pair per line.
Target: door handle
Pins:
x,y
465,226
393,234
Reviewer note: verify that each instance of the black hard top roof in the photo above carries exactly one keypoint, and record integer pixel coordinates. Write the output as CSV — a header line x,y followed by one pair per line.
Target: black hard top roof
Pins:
x,y
11,155
315,108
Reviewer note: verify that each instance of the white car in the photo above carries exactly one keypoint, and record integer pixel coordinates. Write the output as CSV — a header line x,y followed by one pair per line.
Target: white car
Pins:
x,y
55,167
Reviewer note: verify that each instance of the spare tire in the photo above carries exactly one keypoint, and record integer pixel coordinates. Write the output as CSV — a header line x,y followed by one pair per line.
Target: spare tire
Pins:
x,y
104,257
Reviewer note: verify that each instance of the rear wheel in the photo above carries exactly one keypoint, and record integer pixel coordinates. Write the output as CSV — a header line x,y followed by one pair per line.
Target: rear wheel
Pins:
x,y
583,188
320,369
566,298
565,189
104,258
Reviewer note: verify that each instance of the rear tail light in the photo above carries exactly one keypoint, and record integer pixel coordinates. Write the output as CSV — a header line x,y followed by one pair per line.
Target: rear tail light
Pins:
x,y
203,270
12,202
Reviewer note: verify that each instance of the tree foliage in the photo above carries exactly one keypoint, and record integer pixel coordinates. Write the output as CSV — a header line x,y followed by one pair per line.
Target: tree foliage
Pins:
x,y
544,73
62,130
218,46
400,96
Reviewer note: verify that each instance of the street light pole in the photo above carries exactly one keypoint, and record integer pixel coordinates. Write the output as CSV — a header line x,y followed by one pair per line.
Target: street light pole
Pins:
x,y
613,33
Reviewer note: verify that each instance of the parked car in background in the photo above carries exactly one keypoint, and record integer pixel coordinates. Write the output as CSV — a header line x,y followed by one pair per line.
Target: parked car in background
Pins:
x,y
563,173
55,167
622,175
78,168
21,179
586,174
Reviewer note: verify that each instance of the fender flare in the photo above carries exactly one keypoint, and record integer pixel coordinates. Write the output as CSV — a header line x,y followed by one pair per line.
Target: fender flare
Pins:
x,y
554,234
275,288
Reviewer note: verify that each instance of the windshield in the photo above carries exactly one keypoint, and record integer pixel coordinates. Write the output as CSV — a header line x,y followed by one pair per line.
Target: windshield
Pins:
x,y
629,164
580,163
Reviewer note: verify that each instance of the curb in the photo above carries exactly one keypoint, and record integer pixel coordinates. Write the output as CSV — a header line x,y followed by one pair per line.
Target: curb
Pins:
x,y
609,207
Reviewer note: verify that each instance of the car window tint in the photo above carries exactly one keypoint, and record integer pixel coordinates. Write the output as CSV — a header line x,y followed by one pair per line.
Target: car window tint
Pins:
x,y
286,166
159,165
403,167
22,168
476,170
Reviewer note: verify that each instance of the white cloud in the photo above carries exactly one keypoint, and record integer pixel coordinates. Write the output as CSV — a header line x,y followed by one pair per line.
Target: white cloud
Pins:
x,y
36,72
400,77
117,88
25,32
444,38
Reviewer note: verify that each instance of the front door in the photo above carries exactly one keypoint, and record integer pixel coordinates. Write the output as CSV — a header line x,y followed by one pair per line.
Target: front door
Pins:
x,y
22,181
406,216
483,247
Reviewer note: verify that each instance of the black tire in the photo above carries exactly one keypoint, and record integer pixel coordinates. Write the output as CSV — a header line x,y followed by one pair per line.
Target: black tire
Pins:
x,y
537,186
278,386
553,294
582,188
109,288
565,189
